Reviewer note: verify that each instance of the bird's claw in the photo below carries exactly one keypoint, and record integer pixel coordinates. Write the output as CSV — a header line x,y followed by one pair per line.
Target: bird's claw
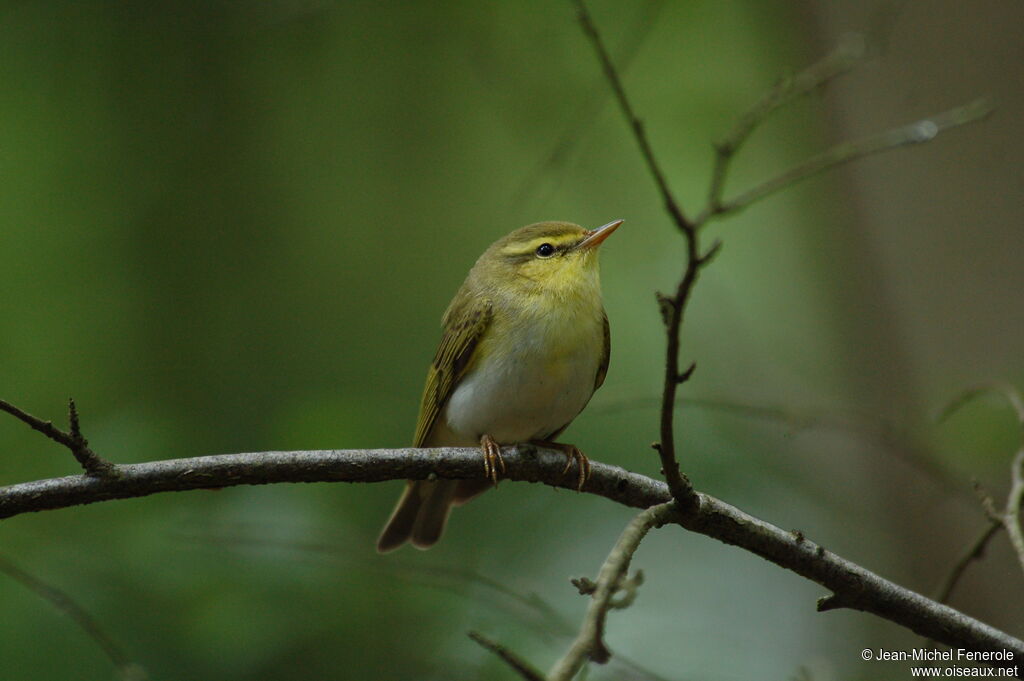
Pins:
x,y
572,454
492,458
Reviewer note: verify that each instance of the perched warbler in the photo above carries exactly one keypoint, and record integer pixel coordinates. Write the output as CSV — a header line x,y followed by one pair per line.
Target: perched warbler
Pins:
x,y
525,345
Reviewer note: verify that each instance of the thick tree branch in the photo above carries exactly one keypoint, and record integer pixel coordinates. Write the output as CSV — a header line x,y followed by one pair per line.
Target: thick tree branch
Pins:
x,y
854,587
589,644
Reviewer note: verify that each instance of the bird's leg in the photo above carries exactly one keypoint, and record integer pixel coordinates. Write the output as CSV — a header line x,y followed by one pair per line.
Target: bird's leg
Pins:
x,y
572,453
492,458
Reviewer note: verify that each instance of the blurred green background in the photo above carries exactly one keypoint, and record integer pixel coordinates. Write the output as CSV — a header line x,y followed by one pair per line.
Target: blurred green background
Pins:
x,y
234,227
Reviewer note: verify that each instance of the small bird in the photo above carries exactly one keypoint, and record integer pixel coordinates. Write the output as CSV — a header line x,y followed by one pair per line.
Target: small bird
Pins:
x,y
526,343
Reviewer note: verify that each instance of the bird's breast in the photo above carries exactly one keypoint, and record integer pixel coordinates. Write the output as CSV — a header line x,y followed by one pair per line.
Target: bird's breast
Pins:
x,y
533,377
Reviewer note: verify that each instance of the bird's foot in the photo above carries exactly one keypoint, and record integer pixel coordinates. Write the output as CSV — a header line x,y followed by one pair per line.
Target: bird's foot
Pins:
x,y
492,458
572,454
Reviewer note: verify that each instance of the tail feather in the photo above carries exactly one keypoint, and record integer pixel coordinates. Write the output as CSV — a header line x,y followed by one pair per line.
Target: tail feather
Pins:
x,y
419,516
433,515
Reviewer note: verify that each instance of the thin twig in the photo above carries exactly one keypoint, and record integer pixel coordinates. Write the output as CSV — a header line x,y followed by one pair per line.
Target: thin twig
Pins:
x,y
129,671
1013,507
589,644
973,552
673,307
849,52
517,663
1009,516
673,207
917,132
79,446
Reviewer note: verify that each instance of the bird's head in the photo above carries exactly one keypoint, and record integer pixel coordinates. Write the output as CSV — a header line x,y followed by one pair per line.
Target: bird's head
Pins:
x,y
546,258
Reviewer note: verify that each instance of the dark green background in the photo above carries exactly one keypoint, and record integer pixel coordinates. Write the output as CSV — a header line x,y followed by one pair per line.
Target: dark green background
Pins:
x,y
234,227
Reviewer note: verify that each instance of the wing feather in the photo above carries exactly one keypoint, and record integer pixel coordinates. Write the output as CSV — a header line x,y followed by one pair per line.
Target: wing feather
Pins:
x,y
464,326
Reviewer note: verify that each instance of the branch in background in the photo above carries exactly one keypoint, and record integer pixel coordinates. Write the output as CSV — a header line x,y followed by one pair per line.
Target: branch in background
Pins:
x,y
79,446
974,552
1009,517
854,586
588,107
529,609
128,670
877,433
589,644
847,55
520,666
918,132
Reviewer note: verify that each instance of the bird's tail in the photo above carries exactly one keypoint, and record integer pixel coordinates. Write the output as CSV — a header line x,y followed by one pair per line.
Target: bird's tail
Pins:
x,y
420,515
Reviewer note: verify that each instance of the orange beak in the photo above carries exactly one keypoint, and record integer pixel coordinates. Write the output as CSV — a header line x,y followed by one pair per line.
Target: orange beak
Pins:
x,y
596,236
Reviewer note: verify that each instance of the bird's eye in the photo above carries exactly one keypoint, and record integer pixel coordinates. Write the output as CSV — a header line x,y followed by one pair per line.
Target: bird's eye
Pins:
x,y
545,251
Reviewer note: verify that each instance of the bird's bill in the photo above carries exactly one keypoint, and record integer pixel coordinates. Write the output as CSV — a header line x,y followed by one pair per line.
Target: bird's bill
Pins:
x,y
596,236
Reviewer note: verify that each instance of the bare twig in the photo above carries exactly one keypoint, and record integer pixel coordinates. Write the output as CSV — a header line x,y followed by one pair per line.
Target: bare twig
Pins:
x,y
589,644
857,587
517,663
672,307
1009,517
73,440
128,670
1013,505
917,132
973,552
841,60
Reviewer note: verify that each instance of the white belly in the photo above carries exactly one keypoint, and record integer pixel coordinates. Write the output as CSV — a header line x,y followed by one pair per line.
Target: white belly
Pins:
x,y
529,394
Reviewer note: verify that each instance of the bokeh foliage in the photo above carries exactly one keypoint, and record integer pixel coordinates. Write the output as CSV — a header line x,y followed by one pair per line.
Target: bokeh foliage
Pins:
x,y
234,226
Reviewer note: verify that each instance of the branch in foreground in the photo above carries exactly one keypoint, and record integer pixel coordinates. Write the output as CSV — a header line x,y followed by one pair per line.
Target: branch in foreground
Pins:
x,y
128,670
590,641
854,586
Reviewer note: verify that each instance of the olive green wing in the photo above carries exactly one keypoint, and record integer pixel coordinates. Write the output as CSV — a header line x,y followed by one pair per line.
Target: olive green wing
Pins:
x,y
606,354
464,326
